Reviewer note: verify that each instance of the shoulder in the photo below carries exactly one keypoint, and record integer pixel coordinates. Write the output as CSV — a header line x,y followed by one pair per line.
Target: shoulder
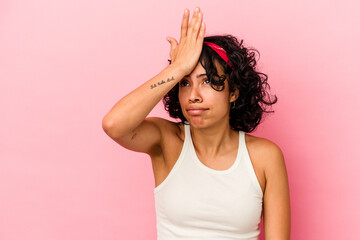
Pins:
x,y
167,128
267,155
276,198
263,146
170,145
164,124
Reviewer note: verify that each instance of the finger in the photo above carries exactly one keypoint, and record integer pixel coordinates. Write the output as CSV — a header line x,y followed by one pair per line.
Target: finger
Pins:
x,y
197,26
173,43
184,23
201,36
193,21
202,32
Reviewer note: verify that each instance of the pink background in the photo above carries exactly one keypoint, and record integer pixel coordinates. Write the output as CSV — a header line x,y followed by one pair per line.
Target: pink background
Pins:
x,y
64,64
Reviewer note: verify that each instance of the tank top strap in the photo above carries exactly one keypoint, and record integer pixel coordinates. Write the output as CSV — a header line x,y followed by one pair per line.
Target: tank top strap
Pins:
x,y
187,129
187,133
248,163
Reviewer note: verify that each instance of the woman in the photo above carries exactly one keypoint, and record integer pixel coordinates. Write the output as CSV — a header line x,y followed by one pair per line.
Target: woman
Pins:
x,y
212,180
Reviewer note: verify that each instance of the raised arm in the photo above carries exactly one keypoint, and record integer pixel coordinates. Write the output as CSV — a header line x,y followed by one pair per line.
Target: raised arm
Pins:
x,y
126,122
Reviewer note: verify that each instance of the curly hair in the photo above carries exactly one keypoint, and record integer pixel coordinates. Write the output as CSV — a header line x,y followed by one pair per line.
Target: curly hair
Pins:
x,y
252,101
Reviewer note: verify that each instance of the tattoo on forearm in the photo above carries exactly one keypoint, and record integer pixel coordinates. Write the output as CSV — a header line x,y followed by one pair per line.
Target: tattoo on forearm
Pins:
x,y
162,82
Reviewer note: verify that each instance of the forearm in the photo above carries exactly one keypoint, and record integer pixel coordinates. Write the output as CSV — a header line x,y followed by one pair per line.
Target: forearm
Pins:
x,y
132,109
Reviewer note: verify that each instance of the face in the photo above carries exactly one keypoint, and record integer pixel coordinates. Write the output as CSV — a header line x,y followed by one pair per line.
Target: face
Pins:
x,y
201,105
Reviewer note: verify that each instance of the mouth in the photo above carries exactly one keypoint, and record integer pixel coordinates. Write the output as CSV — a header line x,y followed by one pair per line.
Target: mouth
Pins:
x,y
196,111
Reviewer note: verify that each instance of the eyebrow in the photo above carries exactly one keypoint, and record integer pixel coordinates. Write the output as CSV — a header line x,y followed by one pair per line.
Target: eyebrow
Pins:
x,y
198,76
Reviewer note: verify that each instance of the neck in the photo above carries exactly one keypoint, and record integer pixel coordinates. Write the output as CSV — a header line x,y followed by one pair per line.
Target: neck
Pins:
x,y
213,140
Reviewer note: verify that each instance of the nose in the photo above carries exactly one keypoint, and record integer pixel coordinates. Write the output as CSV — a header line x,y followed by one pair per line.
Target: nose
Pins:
x,y
195,95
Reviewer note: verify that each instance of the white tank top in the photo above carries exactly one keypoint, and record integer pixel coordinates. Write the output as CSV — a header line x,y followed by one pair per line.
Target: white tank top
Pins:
x,y
198,202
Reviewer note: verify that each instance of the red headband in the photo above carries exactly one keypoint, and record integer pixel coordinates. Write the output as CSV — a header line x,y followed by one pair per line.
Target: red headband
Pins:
x,y
219,50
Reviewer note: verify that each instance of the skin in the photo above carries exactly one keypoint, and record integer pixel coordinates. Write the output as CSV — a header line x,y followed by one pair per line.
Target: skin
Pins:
x,y
127,124
208,111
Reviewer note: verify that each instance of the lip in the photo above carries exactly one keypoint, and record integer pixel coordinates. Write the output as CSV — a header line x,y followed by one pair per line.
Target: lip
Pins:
x,y
196,110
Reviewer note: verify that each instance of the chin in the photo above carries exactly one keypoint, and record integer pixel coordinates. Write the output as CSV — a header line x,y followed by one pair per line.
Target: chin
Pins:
x,y
197,122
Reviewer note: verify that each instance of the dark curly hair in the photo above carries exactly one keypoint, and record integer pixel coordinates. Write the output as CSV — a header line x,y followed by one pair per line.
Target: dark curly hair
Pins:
x,y
251,103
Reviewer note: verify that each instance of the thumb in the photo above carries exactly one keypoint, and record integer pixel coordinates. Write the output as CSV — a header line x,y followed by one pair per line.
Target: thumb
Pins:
x,y
173,42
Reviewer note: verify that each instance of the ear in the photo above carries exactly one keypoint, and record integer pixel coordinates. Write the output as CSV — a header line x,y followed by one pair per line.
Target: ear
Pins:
x,y
234,95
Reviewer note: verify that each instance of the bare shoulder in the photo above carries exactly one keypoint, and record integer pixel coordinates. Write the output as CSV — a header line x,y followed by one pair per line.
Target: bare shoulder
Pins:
x,y
172,139
263,147
171,132
277,214
165,126
266,157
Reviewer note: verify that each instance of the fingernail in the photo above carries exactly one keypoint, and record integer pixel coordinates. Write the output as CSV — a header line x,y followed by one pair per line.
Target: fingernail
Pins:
x,y
185,12
196,9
